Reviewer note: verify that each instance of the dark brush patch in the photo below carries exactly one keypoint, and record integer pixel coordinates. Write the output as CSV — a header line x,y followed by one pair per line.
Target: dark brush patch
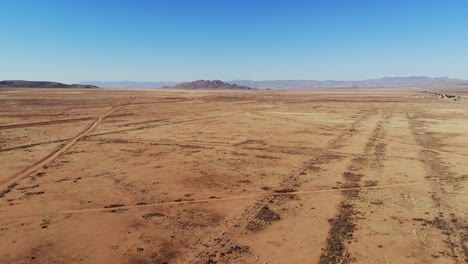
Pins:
x,y
342,226
114,205
8,189
150,215
265,217
285,191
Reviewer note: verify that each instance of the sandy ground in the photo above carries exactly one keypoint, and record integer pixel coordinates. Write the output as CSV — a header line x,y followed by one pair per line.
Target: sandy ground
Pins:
x,y
135,176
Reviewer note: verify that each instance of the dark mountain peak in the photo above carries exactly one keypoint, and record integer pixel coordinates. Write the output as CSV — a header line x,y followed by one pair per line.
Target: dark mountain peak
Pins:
x,y
40,84
207,84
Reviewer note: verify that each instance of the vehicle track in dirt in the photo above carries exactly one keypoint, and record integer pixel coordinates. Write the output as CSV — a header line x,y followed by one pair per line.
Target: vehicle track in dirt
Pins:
x,y
379,139
227,238
31,115
219,198
162,123
454,228
45,123
55,154
159,121
33,145
200,144
162,101
344,223
117,131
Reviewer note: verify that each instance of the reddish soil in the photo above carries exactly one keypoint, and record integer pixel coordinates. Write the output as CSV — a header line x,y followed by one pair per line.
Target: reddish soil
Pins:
x,y
167,176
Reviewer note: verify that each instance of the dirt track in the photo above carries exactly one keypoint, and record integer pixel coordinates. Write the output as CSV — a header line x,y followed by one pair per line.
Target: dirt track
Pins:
x,y
13,179
232,177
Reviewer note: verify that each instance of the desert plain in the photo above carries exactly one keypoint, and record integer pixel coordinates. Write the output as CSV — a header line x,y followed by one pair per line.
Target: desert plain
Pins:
x,y
175,176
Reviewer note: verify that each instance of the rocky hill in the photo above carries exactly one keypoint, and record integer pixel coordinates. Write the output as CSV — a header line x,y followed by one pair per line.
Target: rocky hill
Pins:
x,y
213,85
40,84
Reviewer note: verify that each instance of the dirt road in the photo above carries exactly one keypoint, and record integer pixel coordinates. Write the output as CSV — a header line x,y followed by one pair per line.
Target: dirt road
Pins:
x,y
13,179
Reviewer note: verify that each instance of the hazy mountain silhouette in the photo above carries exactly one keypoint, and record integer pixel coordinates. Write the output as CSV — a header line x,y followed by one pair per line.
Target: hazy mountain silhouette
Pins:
x,y
299,84
40,84
129,84
382,82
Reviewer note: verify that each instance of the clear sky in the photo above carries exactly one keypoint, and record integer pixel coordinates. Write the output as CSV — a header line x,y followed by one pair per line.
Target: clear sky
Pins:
x,y
175,40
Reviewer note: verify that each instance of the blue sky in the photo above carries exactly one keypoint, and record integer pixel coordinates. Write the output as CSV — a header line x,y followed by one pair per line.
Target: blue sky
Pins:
x,y
175,40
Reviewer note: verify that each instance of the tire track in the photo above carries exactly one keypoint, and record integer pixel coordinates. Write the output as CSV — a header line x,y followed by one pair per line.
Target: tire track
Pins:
x,y
233,198
191,144
177,122
33,145
128,129
160,124
455,229
9,181
227,238
45,123
379,139
344,223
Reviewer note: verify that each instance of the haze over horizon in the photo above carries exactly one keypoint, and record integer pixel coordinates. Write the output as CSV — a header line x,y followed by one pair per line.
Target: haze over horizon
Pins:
x,y
179,41
409,81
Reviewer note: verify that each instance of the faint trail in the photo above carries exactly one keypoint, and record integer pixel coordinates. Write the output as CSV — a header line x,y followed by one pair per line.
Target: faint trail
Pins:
x,y
180,121
33,145
226,238
371,137
193,144
52,122
163,101
455,229
160,123
233,198
52,156
343,224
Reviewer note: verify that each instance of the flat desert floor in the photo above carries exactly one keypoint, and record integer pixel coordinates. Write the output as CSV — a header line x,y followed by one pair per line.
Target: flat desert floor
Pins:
x,y
152,176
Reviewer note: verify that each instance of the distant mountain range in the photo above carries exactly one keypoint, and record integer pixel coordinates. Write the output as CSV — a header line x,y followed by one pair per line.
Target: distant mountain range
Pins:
x,y
300,84
206,84
382,82
129,84
40,84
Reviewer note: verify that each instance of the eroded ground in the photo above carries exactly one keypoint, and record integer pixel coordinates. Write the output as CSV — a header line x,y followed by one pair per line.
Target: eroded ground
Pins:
x,y
120,176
